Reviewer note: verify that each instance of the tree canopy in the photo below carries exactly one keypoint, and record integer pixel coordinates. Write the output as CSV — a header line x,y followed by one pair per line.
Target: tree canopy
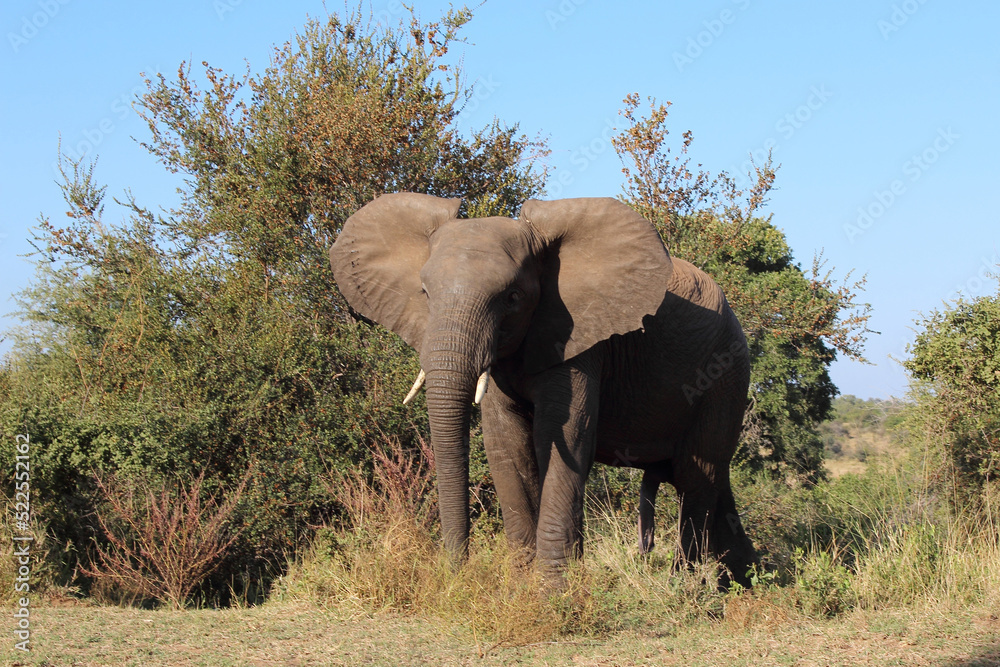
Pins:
x,y
796,321
955,365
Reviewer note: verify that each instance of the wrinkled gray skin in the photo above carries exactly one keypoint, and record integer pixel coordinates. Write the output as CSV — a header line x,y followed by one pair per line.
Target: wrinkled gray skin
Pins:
x,y
601,348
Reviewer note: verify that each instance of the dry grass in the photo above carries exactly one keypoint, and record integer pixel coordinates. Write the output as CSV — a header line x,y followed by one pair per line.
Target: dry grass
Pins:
x,y
300,634
956,562
405,571
766,611
42,570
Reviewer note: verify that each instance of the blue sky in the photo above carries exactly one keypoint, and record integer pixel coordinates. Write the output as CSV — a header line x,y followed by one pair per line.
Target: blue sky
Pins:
x,y
882,115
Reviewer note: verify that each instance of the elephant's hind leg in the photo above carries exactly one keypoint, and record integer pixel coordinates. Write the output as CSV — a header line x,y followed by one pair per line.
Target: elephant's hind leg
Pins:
x,y
647,511
697,513
709,521
731,542
710,524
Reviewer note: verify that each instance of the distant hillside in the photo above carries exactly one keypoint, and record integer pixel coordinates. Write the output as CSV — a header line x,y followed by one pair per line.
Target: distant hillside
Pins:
x,y
860,428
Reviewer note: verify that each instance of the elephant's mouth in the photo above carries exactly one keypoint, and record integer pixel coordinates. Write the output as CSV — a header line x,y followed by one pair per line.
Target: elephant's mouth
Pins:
x,y
482,384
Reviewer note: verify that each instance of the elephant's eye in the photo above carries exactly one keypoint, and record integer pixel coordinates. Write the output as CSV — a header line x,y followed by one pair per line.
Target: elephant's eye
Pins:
x,y
514,297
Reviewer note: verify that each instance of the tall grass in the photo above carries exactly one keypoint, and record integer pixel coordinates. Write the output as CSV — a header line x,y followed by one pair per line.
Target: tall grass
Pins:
x,y
885,539
387,558
949,561
43,571
891,537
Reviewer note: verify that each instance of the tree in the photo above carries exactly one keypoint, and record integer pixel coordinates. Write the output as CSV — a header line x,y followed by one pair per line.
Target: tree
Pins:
x,y
796,321
955,365
211,339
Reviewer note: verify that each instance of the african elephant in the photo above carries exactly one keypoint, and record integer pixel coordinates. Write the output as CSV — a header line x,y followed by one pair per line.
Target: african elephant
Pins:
x,y
596,345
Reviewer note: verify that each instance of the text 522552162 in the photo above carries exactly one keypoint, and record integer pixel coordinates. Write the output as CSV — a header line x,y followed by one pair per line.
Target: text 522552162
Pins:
x,y
22,541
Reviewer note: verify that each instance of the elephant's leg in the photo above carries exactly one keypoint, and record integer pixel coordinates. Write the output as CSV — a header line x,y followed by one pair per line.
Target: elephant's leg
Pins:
x,y
697,515
647,509
507,436
565,430
709,520
729,540
711,525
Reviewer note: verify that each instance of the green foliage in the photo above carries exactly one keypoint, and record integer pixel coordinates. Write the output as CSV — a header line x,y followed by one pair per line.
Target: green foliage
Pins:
x,y
211,339
850,409
796,321
823,583
955,362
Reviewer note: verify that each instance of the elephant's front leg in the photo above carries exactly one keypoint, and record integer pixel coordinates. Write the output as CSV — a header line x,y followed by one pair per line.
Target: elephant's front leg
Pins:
x,y
566,407
511,455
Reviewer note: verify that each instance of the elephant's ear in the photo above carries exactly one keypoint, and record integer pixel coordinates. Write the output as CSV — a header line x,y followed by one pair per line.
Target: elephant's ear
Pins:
x,y
604,269
377,259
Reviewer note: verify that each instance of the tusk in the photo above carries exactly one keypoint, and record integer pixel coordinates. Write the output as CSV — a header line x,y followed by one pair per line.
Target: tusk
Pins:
x,y
484,381
416,387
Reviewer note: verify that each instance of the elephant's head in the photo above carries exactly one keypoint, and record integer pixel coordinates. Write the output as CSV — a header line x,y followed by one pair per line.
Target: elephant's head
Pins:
x,y
468,292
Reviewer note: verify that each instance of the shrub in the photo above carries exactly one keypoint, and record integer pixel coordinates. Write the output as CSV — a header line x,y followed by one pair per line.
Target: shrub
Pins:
x,y
162,543
955,365
824,584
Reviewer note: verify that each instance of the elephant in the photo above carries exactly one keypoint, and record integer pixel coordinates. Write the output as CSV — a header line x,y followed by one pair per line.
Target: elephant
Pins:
x,y
584,340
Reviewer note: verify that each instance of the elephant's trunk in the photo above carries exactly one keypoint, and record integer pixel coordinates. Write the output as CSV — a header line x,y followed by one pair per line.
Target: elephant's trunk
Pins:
x,y
453,359
448,405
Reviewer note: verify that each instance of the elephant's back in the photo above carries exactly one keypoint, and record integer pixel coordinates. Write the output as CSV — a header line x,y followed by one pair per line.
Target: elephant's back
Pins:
x,y
656,379
696,287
